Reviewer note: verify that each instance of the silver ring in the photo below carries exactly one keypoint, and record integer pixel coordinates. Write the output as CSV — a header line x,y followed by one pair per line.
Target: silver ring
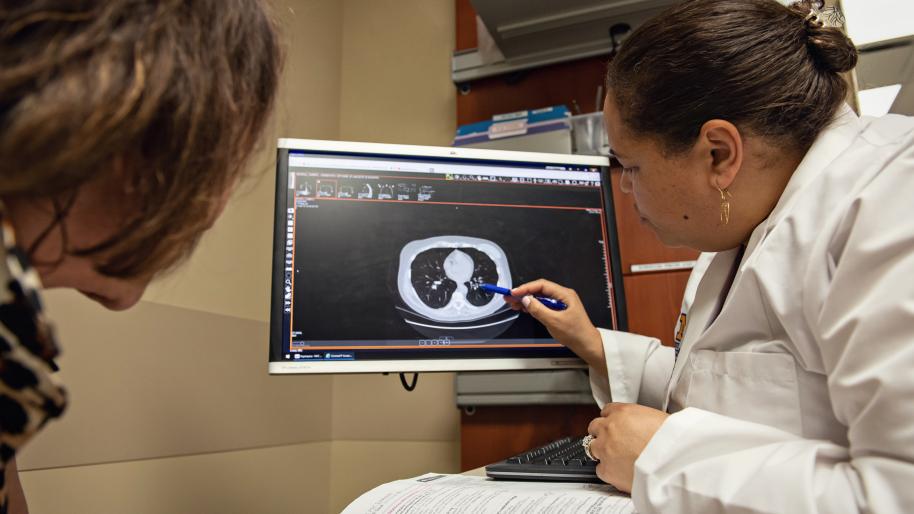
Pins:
x,y
586,444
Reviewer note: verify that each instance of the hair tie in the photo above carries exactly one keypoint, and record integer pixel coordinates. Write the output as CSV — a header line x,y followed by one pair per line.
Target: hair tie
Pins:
x,y
827,17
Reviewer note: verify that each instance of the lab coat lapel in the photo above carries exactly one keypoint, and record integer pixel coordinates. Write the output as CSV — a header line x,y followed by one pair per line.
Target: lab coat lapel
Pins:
x,y
709,298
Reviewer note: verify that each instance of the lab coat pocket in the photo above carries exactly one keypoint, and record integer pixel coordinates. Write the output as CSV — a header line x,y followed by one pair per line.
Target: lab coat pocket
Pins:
x,y
759,387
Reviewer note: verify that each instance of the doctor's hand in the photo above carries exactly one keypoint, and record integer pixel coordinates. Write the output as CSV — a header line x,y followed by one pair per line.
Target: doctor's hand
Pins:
x,y
620,435
571,327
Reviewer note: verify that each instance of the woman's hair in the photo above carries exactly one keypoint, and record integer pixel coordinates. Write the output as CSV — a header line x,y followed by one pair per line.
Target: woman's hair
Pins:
x,y
167,97
771,70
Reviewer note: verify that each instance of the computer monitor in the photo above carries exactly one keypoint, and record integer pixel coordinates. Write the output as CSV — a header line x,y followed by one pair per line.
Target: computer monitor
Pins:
x,y
379,251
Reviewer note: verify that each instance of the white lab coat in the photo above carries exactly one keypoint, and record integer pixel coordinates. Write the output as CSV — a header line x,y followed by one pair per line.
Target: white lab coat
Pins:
x,y
794,392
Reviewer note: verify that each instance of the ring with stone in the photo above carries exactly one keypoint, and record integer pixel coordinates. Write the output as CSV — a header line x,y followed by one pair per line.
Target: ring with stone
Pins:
x,y
586,444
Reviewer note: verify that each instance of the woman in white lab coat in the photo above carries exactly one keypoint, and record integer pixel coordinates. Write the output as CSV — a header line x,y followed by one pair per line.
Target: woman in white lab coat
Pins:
x,y
793,388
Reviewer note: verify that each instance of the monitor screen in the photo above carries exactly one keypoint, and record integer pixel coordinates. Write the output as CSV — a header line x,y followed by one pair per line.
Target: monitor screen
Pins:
x,y
380,250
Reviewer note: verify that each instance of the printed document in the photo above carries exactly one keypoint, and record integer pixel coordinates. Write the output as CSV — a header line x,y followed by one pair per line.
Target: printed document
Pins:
x,y
462,494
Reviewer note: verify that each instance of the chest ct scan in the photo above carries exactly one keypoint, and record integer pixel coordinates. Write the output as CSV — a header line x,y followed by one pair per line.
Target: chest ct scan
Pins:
x,y
439,279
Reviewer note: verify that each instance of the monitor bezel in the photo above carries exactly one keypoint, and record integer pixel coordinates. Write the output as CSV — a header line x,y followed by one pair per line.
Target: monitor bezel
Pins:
x,y
286,145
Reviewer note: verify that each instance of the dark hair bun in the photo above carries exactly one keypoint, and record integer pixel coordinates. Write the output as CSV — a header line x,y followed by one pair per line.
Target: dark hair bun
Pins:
x,y
831,48
769,69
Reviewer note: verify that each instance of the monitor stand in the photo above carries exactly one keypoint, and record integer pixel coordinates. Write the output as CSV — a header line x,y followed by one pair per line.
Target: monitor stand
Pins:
x,y
533,387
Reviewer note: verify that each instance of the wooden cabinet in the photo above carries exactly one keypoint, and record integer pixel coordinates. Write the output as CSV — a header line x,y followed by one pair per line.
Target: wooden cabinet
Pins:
x,y
573,84
652,299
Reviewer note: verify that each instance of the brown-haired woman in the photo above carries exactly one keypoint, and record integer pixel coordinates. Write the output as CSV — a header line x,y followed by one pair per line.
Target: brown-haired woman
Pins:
x,y
124,125
792,388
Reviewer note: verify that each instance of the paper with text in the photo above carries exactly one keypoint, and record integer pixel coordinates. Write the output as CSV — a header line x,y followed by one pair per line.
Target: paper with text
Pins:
x,y
462,494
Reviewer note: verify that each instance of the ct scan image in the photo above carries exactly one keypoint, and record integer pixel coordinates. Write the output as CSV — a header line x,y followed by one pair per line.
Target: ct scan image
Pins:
x,y
438,283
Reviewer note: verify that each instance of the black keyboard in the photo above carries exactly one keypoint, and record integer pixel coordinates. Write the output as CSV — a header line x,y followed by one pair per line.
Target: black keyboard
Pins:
x,y
558,461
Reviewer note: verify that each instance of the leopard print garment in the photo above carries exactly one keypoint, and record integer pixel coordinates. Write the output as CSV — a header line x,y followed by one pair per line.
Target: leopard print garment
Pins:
x,y
29,394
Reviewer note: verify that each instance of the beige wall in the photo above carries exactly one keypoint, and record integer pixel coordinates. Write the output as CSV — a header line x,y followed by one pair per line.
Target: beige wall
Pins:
x,y
172,409
397,72
396,88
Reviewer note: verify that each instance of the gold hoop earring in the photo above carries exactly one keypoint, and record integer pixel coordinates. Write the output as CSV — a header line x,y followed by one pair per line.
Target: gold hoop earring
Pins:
x,y
725,197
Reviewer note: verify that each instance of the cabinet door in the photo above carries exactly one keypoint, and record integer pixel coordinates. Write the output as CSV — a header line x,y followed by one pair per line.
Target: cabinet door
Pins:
x,y
637,243
495,433
653,301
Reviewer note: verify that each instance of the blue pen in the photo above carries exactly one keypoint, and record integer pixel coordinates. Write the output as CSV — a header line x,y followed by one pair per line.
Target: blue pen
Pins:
x,y
553,304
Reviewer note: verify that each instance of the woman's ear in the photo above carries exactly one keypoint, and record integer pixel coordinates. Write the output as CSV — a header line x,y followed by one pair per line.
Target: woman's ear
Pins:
x,y
724,146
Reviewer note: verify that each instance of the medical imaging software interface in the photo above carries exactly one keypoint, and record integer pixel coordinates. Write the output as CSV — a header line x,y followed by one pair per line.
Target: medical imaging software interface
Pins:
x,y
384,255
